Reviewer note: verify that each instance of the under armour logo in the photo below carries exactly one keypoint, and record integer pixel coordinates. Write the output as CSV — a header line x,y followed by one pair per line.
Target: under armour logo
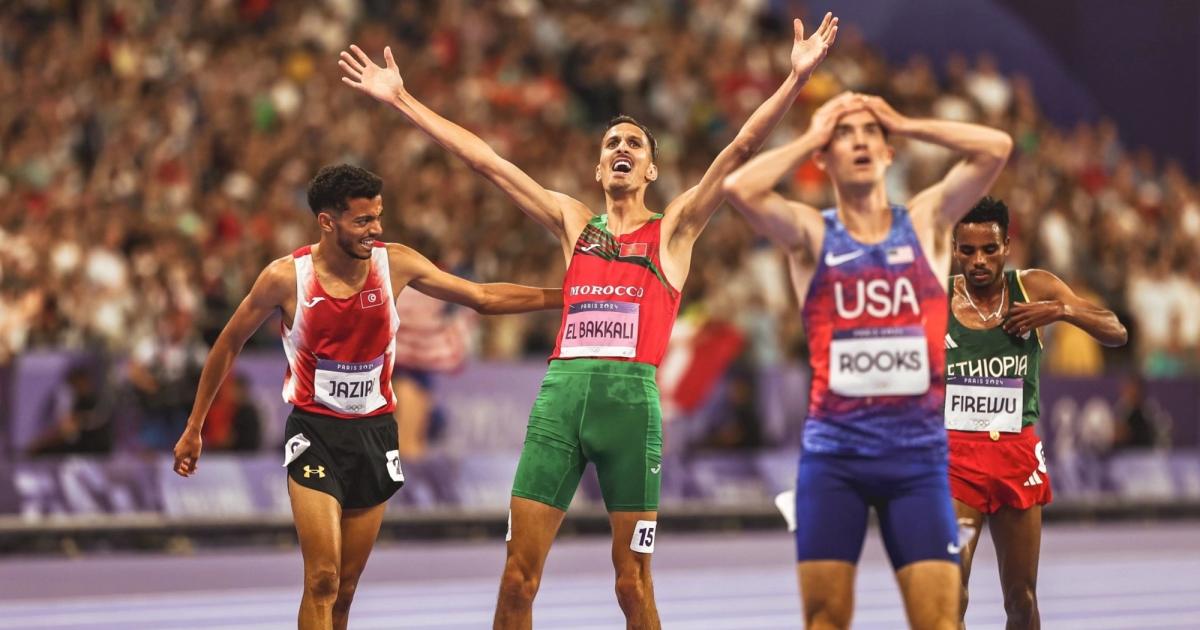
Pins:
x,y
309,471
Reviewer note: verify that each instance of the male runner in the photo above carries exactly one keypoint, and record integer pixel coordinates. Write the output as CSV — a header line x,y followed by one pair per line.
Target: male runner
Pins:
x,y
337,299
869,276
997,471
599,401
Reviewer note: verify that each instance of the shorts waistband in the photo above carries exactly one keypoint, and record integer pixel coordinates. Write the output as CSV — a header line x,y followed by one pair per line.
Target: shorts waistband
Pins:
x,y
602,366
364,421
986,436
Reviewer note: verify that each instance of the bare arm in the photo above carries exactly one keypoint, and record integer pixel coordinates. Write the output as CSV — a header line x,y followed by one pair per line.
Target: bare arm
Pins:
x,y
985,151
695,207
551,209
267,294
1051,300
490,299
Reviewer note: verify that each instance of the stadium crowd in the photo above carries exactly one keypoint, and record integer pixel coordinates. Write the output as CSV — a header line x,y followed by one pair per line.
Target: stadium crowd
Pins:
x,y
154,157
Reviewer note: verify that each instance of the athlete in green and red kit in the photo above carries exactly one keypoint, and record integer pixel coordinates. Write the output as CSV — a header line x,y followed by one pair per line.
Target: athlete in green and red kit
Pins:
x,y
599,401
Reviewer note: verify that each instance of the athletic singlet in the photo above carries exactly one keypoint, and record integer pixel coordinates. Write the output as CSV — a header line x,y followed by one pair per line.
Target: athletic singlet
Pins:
x,y
617,304
876,321
992,376
339,350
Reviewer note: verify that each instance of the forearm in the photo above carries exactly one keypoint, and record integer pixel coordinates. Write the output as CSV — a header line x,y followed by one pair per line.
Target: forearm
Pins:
x,y
760,175
500,298
216,368
967,138
1100,323
762,122
453,137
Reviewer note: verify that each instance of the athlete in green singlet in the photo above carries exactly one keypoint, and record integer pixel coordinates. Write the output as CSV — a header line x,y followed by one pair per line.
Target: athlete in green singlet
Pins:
x,y
599,402
993,344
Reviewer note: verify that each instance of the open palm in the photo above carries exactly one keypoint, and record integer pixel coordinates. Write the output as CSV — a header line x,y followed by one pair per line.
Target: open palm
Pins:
x,y
807,53
363,75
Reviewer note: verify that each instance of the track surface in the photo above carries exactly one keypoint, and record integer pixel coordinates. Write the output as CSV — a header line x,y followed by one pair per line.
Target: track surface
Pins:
x,y
1110,576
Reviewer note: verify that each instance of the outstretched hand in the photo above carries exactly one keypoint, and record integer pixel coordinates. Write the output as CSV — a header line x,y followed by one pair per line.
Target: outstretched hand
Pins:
x,y
807,53
363,75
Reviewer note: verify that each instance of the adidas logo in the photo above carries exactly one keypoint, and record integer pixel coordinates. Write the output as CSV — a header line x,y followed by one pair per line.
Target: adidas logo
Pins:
x,y
950,342
1034,480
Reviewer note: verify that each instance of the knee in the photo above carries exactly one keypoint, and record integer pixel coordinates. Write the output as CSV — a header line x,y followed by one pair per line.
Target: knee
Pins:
x,y
1020,604
347,584
322,584
826,614
519,584
632,589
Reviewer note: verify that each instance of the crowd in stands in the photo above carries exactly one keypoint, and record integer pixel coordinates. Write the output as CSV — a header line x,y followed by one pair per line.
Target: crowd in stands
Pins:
x,y
154,158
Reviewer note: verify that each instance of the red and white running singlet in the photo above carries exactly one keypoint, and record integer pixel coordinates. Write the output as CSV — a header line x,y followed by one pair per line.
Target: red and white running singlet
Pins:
x,y
339,350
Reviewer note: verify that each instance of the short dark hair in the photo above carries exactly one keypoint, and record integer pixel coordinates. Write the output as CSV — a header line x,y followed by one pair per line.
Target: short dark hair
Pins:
x,y
335,185
989,210
625,118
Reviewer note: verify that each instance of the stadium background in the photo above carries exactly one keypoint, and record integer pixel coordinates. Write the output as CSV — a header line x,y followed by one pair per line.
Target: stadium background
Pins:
x,y
155,155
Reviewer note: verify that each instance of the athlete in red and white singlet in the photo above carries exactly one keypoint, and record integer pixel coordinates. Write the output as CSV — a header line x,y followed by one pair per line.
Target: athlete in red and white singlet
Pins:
x,y
337,302
340,350
608,335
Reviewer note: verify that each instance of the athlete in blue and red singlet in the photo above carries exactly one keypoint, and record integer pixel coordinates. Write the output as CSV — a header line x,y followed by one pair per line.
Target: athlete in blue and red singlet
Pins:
x,y
870,277
599,402
339,320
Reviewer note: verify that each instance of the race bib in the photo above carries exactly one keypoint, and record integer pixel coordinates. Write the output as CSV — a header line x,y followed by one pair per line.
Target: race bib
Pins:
x,y
601,329
982,403
351,388
879,362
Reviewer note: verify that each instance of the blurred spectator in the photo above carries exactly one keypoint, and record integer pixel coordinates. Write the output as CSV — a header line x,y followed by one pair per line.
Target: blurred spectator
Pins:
x,y
1140,422
79,424
164,369
234,423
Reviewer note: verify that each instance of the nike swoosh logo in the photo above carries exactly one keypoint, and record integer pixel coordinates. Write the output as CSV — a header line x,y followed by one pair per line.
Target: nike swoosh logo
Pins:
x,y
833,260
313,302
953,548
589,247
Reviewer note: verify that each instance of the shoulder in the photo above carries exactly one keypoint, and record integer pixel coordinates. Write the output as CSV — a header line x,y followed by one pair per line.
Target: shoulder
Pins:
x,y
402,257
1039,284
281,270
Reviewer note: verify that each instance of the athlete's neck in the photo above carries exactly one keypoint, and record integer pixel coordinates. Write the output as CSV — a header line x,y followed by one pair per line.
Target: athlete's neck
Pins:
x,y
864,211
626,212
332,260
986,294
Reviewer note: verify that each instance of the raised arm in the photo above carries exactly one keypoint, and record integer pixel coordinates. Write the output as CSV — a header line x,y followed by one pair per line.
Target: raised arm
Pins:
x,y
551,209
494,298
268,293
984,153
1051,300
693,209
751,189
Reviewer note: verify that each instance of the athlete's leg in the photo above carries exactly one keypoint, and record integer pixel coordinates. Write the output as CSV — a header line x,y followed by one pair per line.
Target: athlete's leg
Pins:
x,y
534,526
317,517
359,530
826,592
931,590
1017,535
635,588
972,518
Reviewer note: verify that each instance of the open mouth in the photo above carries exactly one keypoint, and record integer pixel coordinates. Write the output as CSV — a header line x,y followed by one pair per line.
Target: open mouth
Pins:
x,y
367,242
862,160
622,165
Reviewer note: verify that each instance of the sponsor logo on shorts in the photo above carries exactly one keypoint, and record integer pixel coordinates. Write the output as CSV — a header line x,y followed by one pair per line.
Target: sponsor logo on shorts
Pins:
x,y
657,467
309,471
1034,480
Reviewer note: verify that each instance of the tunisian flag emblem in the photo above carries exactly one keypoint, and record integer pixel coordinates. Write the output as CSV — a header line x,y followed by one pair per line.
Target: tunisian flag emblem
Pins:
x,y
372,298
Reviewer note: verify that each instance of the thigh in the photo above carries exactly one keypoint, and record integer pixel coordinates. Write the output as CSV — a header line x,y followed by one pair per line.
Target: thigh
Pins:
x,y
932,593
552,460
970,524
622,436
318,526
831,512
360,528
532,526
826,592
634,534
1017,535
916,514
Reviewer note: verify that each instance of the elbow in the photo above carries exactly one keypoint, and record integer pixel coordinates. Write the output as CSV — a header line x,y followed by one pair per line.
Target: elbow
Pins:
x,y
1121,338
734,189
1003,147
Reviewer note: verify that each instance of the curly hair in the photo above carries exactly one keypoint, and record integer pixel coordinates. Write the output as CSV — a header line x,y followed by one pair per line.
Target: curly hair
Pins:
x,y
334,186
989,210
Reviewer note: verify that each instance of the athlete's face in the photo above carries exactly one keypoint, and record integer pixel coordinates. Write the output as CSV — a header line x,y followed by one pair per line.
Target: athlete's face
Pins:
x,y
626,161
356,229
858,152
981,250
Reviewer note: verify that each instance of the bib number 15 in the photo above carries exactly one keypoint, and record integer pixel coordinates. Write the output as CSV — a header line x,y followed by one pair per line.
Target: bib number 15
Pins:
x,y
643,537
